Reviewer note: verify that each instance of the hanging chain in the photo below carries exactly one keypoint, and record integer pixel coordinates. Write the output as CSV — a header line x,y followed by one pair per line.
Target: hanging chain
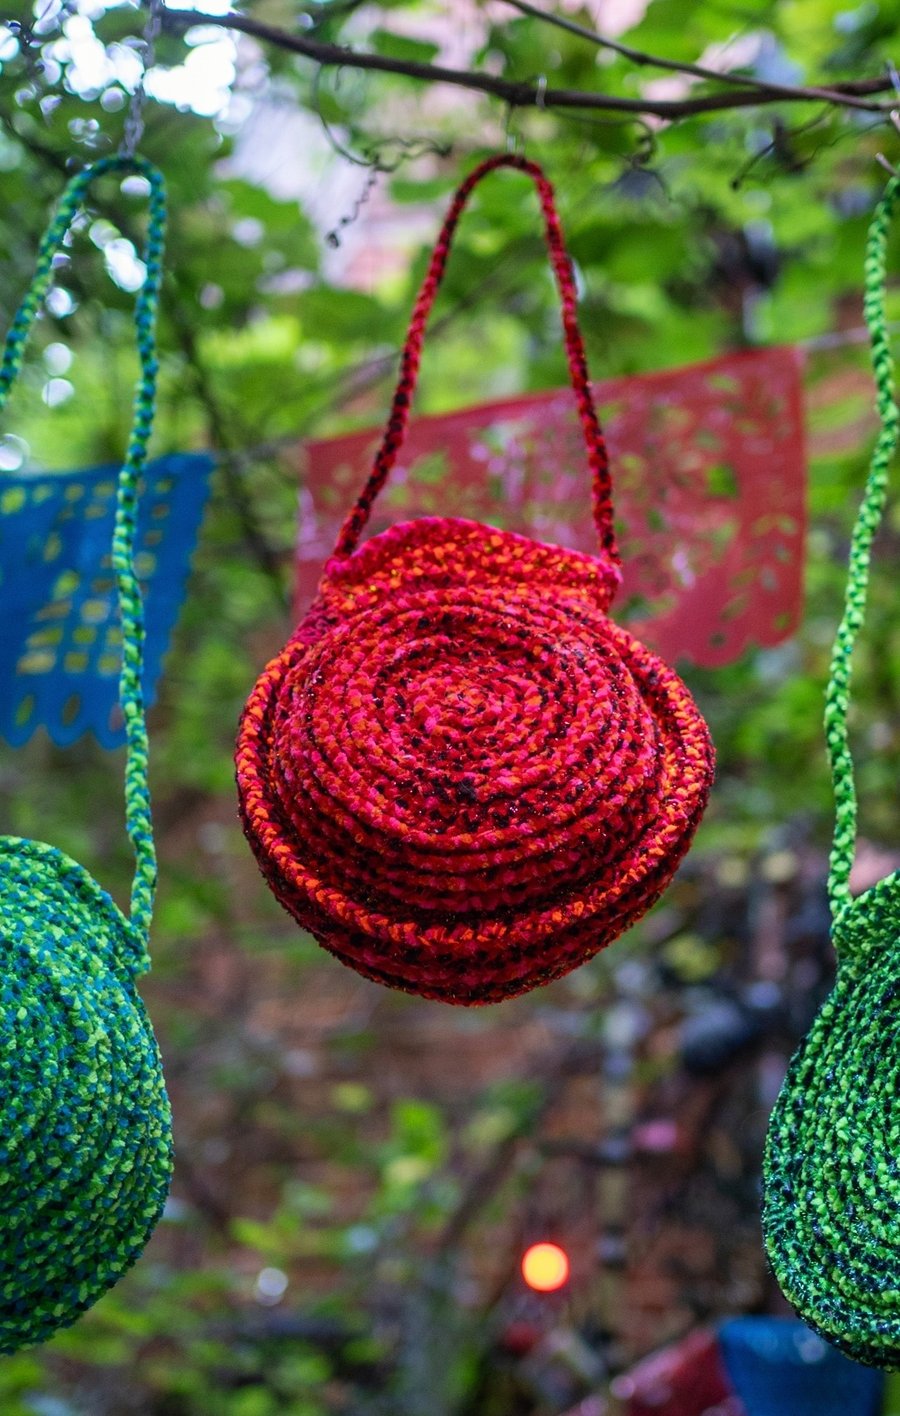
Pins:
x,y
134,123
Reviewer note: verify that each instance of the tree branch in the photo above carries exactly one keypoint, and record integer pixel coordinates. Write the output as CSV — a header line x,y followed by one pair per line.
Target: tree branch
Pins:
x,y
840,94
526,95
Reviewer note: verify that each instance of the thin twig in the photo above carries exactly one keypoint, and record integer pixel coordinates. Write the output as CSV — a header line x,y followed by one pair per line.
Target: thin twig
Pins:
x,y
233,464
842,94
528,95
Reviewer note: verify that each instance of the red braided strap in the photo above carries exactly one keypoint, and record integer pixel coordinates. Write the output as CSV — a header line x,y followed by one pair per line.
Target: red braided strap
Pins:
x,y
395,432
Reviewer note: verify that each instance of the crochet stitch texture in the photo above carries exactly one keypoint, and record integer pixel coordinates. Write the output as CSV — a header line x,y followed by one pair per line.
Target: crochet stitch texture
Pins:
x,y
831,1211
460,775
85,1127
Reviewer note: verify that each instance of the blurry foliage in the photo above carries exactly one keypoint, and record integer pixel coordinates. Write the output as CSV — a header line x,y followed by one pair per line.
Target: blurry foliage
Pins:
x,y
688,240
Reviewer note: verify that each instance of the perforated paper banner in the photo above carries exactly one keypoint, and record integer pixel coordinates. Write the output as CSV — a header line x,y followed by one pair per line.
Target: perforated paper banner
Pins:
x,y
59,629
708,477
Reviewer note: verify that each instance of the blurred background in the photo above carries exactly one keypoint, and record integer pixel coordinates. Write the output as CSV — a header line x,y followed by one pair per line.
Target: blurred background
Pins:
x,y
359,1173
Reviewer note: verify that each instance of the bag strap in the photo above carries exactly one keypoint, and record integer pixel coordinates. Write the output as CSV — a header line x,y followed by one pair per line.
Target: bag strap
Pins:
x,y
131,693
395,431
837,694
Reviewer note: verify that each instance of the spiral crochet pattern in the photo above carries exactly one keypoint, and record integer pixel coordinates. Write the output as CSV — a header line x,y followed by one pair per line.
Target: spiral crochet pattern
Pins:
x,y
460,775
831,1210
85,1150
85,1128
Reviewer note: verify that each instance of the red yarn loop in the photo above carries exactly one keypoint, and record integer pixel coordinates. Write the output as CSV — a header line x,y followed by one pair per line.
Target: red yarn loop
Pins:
x,y
395,432
460,775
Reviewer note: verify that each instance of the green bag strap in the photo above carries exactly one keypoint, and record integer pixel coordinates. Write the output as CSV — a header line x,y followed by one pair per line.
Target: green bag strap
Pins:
x,y
837,696
131,610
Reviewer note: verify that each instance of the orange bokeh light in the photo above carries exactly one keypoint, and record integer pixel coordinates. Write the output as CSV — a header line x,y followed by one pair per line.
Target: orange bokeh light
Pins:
x,y
545,1267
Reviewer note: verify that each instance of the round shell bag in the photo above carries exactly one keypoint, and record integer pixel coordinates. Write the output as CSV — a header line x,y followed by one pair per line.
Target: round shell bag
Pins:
x,y
85,1127
460,775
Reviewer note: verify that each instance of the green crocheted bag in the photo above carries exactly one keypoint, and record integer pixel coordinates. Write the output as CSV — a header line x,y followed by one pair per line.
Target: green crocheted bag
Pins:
x,y
85,1126
831,1211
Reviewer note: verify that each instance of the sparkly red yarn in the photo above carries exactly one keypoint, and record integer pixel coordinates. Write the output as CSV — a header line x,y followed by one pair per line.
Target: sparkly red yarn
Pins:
x,y
460,775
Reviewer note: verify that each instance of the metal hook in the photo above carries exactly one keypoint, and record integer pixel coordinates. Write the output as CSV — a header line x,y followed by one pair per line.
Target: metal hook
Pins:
x,y
515,142
894,120
515,145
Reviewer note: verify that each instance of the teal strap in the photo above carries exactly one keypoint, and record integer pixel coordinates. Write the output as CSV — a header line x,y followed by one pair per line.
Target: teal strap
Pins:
x,y
837,696
131,611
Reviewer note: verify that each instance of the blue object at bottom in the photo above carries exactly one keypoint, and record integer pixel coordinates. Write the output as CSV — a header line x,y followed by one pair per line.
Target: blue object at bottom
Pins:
x,y
778,1367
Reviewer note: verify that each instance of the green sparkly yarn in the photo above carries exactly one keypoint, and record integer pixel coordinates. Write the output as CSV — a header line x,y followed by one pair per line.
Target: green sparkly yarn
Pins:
x,y
831,1173
85,1125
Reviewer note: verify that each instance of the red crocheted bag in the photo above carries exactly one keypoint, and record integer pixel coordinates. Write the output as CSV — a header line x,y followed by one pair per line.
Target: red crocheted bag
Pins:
x,y
460,775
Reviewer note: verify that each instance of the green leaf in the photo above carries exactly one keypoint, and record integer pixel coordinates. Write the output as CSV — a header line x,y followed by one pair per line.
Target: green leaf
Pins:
x,y
402,46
